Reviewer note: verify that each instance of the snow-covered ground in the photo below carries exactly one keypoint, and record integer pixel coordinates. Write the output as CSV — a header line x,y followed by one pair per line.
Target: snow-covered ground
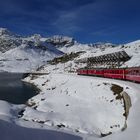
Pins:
x,y
12,128
79,105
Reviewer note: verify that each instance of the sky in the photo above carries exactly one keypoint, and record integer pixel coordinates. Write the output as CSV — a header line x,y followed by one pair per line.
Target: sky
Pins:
x,y
88,21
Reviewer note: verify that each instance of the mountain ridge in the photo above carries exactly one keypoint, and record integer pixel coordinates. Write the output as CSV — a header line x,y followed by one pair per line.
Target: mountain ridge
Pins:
x,y
19,53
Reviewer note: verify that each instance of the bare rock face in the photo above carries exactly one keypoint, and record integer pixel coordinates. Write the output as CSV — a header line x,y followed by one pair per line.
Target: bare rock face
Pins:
x,y
61,41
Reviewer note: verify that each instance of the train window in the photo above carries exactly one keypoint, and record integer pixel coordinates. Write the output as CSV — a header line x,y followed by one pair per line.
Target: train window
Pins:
x,y
137,72
130,72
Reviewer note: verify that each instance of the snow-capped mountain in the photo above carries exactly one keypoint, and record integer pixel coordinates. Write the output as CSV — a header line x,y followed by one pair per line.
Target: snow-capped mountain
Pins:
x,y
132,49
61,41
8,40
134,43
24,53
76,47
4,32
19,53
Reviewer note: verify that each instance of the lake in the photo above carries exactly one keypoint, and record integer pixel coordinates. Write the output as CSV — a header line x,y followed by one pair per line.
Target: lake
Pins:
x,y
13,90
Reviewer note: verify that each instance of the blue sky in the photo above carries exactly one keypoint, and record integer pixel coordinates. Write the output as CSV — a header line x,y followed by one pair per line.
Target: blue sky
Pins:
x,y
88,21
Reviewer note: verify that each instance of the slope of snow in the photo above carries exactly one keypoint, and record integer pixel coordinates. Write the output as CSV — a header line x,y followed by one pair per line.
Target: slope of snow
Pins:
x,y
133,127
76,48
81,104
134,43
12,128
10,131
24,59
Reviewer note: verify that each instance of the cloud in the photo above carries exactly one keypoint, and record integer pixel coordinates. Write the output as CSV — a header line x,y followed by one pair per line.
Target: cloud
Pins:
x,y
88,14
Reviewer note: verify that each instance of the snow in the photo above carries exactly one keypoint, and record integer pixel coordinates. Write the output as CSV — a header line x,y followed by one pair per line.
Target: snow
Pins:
x,y
61,41
134,43
133,127
67,101
5,31
87,110
12,128
131,49
22,59
14,132
79,103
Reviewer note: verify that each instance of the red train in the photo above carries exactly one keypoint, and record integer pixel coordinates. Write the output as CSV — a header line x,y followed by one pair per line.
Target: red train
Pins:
x,y
131,74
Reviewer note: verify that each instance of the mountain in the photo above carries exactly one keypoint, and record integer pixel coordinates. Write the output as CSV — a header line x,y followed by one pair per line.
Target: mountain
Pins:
x,y
8,40
73,61
61,41
22,54
134,43
76,47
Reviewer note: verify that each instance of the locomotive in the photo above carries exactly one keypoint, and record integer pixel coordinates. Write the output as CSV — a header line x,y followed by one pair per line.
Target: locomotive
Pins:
x,y
131,74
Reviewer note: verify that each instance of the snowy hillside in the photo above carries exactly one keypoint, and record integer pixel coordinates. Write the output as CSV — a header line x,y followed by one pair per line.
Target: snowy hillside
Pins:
x,y
26,59
70,104
86,47
83,105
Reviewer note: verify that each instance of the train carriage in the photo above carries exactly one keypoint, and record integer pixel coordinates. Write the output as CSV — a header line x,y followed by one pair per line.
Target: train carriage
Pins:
x,y
133,74
96,72
114,73
82,72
